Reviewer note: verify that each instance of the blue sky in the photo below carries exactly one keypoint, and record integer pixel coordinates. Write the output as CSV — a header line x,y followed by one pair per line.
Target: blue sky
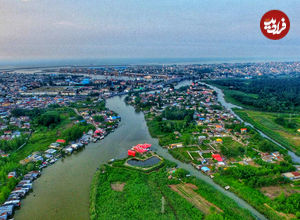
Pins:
x,y
66,29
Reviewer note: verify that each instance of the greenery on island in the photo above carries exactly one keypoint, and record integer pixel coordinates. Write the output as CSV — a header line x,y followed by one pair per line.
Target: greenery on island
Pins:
x,y
266,94
141,197
17,112
173,113
98,118
50,118
164,130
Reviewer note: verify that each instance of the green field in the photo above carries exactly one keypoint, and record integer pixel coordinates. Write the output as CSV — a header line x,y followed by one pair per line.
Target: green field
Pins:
x,y
265,121
229,93
122,193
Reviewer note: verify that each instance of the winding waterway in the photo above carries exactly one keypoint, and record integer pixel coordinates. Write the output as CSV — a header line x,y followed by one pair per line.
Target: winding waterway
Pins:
x,y
230,106
62,192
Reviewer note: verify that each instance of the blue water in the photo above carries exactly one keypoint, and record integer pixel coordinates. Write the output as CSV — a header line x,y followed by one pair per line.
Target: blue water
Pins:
x,y
144,163
132,61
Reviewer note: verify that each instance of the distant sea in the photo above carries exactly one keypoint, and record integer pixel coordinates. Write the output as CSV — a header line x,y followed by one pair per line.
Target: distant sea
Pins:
x,y
131,61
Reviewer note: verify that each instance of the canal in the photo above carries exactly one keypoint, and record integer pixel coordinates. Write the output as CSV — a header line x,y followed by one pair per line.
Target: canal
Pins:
x,y
62,192
230,106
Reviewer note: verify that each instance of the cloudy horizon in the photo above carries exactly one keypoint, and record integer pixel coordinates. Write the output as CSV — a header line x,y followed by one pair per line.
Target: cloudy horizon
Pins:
x,y
56,29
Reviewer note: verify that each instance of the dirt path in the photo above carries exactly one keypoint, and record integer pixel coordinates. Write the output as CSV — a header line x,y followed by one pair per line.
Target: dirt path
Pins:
x,y
187,191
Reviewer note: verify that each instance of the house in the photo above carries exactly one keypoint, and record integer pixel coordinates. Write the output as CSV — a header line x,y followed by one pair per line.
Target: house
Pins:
x,y
69,150
217,157
292,175
243,130
219,140
201,139
205,169
50,151
12,174
131,153
60,141
178,145
142,148
55,145
8,209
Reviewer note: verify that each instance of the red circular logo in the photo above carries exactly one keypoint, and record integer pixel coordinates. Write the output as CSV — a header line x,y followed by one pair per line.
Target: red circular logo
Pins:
x,y
275,24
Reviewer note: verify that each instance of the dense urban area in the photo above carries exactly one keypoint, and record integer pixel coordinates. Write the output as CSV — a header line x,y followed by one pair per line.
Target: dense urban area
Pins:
x,y
247,144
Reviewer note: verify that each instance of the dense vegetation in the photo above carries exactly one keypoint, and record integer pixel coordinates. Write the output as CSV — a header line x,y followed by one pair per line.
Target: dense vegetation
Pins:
x,y
267,175
243,180
269,94
173,113
50,118
76,131
247,180
47,125
142,195
286,123
26,112
12,145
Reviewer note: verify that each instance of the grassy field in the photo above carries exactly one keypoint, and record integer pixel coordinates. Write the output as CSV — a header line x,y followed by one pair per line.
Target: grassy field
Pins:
x,y
187,191
265,121
123,193
251,195
141,197
228,95
42,137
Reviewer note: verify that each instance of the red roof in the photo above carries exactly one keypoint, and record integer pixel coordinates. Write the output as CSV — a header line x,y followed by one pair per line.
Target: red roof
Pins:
x,y
296,173
140,150
144,146
131,153
62,141
217,157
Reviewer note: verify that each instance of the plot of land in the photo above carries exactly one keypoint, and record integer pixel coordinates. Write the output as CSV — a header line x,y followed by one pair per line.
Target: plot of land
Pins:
x,y
274,191
187,192
265,122
285,216
117,186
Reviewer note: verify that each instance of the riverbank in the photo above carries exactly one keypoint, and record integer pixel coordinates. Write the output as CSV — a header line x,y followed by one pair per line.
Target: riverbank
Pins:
x,y
286,135
265,122
47,151
69,179
213,141
230,107
161,194
75,173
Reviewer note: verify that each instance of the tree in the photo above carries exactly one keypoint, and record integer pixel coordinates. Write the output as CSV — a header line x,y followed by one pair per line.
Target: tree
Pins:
x,y
98,118
181,173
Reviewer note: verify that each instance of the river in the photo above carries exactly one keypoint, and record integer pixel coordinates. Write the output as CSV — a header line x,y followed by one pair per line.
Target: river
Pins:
x,y
230,106
62,192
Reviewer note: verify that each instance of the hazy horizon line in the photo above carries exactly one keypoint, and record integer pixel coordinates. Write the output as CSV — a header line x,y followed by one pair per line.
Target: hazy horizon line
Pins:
x,y
55,62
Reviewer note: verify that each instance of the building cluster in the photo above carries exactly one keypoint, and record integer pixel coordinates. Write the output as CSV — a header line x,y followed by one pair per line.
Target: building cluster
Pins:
x,y
203,70
219,131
